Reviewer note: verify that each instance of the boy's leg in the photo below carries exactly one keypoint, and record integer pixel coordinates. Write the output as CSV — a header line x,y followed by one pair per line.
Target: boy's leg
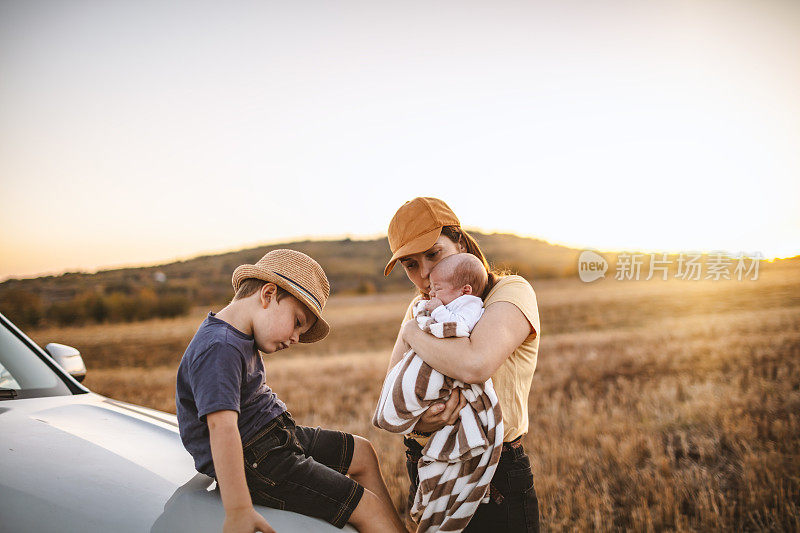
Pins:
x,y
283,473
354,456
372,515
366,469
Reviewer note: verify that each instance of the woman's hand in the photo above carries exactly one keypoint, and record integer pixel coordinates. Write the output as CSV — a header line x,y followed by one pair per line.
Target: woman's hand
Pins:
x,y
409,327
442,414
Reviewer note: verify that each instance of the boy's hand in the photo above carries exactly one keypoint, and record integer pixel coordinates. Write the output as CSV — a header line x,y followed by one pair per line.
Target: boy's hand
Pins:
x,y
433,303
245,520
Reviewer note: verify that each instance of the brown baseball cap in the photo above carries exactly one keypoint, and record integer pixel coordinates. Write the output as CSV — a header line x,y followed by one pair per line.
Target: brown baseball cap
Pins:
x,y
300,275
416,226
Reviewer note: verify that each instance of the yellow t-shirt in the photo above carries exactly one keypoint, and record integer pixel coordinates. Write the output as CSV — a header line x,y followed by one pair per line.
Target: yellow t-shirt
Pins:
x,y
512,381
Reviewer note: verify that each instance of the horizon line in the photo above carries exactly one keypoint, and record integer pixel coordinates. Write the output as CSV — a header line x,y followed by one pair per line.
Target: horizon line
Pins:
x,y
340,237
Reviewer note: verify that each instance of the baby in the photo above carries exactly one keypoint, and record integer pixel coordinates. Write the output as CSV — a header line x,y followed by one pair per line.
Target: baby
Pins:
x,y
453,309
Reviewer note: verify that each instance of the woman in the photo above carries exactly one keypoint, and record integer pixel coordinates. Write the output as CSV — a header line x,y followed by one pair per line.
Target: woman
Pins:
x,y
504,346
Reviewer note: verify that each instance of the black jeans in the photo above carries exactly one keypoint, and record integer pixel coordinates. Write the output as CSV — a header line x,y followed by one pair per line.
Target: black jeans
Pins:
x,y
514,506
303,470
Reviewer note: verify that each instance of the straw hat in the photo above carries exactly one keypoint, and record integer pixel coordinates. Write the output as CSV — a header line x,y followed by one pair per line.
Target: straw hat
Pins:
x,y
300,275
416,226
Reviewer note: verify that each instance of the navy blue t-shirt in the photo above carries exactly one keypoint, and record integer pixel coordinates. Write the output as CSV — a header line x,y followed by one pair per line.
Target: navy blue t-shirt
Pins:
x,y
221,370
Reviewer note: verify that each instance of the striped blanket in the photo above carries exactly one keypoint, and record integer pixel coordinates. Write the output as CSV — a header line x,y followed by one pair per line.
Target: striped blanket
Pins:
x,y
458,461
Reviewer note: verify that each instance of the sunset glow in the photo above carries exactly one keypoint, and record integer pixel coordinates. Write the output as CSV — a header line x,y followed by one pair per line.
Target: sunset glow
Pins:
x,y
133,134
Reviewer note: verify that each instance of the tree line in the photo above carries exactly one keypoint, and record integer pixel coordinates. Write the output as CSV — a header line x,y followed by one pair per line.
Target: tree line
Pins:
x,y
28,309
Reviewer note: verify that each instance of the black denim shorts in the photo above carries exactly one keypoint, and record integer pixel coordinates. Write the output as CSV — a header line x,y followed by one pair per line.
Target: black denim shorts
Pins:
x,y
302,469
513,505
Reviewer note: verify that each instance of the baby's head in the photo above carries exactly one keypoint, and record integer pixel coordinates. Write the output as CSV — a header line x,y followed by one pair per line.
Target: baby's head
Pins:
x,y
457,275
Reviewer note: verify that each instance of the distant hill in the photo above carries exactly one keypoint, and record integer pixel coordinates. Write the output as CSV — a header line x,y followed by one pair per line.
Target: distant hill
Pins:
x,y
352,266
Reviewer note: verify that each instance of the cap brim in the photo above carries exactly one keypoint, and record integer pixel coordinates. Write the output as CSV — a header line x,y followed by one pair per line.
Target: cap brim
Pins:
x,y
415,246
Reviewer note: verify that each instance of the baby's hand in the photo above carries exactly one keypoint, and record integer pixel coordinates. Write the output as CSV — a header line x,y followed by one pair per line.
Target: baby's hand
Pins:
x,y
433,303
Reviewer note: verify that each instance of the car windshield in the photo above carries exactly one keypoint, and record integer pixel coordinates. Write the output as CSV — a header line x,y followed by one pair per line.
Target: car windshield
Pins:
x,y
22,373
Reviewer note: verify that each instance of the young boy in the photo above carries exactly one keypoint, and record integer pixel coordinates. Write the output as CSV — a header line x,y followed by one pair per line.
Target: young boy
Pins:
x,y
239,432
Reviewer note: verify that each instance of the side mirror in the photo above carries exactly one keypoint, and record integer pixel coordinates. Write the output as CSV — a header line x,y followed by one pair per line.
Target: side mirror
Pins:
x,y
69,358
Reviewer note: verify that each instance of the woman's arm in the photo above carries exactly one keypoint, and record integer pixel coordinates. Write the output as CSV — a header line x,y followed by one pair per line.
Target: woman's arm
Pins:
x,y
476,358
400,348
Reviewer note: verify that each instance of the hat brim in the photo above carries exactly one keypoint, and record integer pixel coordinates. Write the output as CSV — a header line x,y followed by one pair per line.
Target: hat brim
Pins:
x,y
414,246
315,333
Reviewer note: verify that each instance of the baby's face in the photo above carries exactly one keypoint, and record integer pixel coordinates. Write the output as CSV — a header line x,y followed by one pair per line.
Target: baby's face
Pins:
x,y
442,288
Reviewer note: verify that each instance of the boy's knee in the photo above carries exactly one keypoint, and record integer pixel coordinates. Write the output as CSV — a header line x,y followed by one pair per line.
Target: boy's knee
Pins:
x,y
364,456
365,445
368,508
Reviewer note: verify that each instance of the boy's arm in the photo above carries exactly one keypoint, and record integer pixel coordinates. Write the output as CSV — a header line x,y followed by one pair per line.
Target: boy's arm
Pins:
x,y
226,452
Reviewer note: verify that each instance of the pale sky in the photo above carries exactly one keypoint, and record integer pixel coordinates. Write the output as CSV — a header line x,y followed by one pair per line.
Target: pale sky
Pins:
x,y
139,132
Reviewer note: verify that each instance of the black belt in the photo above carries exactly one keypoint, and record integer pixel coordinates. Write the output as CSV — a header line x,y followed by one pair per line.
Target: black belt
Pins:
x,y
414,448
513,444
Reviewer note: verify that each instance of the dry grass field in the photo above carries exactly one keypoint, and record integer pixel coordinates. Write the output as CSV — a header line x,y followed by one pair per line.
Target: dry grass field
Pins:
x,y
655,405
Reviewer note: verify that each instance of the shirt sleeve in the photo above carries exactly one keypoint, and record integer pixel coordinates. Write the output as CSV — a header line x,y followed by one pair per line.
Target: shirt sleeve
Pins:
x,y
215,379
517,290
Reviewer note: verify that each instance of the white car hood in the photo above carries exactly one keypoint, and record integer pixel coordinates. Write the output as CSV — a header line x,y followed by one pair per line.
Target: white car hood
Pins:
x,y
89,463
